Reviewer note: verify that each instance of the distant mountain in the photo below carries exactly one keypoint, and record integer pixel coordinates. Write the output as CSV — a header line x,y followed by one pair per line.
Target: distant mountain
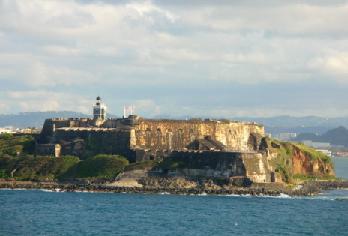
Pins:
x,y
307,136
34,119
286,124
337,136
274,125
306,124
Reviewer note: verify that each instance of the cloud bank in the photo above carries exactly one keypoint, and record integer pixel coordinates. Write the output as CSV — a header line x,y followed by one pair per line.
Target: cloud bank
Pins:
x,y
227,58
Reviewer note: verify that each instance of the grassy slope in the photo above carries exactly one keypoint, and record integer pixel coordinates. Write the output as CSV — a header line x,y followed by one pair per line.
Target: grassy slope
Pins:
x,y
16,154
285,152
12,145
16,157
99,166
35,168
68,167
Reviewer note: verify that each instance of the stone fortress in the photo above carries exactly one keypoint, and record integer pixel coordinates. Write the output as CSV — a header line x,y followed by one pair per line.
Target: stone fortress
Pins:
x,y
222,147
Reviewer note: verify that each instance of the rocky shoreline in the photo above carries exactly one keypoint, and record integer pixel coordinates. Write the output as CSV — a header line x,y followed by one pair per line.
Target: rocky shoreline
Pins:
x,y
306,189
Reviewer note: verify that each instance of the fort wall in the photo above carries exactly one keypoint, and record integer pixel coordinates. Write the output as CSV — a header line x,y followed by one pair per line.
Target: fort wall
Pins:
x,y
222,164
178,134
144,139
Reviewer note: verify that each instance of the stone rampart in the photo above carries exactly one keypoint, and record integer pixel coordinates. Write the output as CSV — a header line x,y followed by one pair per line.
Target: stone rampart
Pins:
x,y
222,164
149,138
178,134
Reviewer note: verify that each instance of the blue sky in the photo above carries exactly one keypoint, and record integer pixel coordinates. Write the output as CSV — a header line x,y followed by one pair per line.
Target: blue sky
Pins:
x,y
225,59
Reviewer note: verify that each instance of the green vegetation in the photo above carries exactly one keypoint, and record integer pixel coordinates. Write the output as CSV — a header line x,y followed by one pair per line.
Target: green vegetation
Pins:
x,y
283,162
15,145
313,177
285,152
35,168
99,166
66,167
312,153
17,161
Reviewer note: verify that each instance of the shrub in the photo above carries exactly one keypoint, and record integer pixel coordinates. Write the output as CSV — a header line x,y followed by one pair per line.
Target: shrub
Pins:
x,y
16,144
36,168
312,153
99,166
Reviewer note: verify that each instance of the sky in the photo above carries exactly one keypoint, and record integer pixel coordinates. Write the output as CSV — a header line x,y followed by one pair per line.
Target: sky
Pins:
x,y
175,58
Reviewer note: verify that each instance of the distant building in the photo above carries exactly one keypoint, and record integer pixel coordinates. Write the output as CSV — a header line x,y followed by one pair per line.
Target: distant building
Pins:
x,y
7,130
286,136
12,130
325,151
317,145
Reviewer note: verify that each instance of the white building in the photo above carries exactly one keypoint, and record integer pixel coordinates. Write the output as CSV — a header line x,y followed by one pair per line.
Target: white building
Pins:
x,y
317,145
7,130
286,136
325,151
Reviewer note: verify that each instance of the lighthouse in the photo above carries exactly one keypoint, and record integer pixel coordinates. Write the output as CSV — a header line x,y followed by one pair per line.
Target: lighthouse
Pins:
x,y
99,110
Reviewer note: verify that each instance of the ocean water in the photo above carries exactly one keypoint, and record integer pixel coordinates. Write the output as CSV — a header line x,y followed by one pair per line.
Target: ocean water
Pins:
x,y
37,212
341,166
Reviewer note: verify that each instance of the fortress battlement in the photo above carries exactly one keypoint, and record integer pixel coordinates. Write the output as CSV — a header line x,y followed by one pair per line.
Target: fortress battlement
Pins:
x,y
140,139
208,147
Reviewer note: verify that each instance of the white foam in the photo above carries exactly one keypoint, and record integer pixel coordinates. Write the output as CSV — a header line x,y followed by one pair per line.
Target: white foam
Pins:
x,y
13,189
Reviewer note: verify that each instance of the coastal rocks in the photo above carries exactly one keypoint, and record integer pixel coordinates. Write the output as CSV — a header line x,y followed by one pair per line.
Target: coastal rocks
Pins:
x,y
176,183
308,189
125,182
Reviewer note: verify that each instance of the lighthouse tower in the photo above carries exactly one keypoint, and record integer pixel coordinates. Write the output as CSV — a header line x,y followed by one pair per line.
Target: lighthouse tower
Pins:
x,y
99,110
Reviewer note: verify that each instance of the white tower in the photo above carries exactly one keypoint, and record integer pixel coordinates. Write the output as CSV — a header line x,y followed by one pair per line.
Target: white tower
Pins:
x,y
99,110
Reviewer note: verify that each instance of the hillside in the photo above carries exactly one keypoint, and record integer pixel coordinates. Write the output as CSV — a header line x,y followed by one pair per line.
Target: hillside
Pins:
x,y
273,125
295,161
336,136
289,160
34,119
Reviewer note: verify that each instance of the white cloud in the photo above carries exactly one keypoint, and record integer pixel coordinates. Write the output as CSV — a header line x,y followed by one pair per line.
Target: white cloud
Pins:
x,y
35,100
147,106
72,47
335,65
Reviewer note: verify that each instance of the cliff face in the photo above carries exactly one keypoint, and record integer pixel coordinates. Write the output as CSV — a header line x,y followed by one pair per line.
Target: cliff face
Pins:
x,y
293,160
304,164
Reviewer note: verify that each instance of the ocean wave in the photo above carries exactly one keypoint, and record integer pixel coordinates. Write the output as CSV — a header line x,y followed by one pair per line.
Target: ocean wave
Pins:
x,y
17,189
56,190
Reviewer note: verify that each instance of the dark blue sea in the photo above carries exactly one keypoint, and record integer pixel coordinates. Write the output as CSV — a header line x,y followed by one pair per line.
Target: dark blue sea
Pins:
x,y
36,212
49,213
